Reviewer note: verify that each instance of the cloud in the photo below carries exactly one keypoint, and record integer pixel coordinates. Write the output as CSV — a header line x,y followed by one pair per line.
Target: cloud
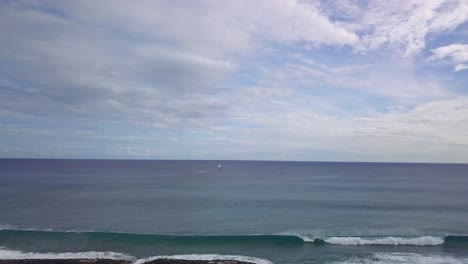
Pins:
x,y
456,54
372,78
228,26
293,22
88,56
431,131
402,25
145,60
440,120
166,78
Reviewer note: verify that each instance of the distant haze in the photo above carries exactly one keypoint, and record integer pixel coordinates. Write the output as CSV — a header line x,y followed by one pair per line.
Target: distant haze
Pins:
x,y
317,80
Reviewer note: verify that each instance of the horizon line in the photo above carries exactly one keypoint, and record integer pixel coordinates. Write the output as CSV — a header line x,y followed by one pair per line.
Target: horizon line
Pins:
x,y
228,160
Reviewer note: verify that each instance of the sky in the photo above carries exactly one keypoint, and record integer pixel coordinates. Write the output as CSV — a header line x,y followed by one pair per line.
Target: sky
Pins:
x,y
331,80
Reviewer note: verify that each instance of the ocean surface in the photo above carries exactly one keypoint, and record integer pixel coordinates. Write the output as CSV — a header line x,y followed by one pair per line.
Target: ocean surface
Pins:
x,y
266,212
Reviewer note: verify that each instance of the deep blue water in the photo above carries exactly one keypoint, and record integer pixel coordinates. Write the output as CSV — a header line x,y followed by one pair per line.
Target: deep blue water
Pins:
x,y
286,212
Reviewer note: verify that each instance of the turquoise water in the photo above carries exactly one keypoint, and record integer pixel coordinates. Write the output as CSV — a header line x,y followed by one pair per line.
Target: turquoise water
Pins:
x,y
285,212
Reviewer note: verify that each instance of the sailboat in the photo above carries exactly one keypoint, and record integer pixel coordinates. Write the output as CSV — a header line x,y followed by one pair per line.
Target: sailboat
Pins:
x,y
219,165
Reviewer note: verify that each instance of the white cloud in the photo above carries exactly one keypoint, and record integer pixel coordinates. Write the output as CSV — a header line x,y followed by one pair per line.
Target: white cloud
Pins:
x,y
141,59
405,25
215,26
460,67
456,54
433,131
441,121
393,79
293,22
159,70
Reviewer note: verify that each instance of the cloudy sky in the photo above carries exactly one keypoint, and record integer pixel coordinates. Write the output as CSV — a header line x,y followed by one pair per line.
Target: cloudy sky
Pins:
x,y
331,80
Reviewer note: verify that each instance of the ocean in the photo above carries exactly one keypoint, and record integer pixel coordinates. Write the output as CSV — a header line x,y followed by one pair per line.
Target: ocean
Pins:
x,y
261,211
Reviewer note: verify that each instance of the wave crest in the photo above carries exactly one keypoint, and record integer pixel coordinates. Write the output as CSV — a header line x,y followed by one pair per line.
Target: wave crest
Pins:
x,y
96,240
394,241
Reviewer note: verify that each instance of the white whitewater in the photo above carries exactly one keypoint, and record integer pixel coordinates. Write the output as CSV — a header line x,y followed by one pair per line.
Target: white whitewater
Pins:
x,y
406,258
395,241
15,254
208,257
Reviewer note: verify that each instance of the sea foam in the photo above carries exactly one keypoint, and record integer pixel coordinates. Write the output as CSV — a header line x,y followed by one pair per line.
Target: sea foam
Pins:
x,y
407,258
395,241
208,257
15,254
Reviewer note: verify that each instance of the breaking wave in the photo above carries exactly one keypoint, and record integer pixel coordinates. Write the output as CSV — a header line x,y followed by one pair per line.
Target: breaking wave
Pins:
x,y
394,241
107,238
15,254
208,257
407,258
